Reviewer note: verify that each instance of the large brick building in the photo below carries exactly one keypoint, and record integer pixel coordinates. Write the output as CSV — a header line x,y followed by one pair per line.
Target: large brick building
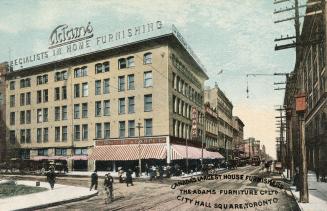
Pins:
x,y
224,109
88,106
309,77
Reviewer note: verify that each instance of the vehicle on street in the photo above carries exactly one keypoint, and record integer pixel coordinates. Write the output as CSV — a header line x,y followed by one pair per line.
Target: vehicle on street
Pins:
x,y
255,161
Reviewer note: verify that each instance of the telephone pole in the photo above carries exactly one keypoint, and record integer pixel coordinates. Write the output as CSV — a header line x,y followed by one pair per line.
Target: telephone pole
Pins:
x,y
281,135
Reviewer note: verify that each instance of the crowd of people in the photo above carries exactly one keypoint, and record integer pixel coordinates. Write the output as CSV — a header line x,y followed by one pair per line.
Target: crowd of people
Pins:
x,y
155,172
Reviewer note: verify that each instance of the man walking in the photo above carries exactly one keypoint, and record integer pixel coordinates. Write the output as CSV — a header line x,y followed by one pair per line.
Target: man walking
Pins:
x,y
161,172
129,179
146,169
94,180
317,172
108,187
51,176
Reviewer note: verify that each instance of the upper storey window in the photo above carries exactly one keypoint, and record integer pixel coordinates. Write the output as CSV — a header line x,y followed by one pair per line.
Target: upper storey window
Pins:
x,y
126,62
80,72
102,67
42,79
25,83
60,76
122,63
12,85
130,61
147,58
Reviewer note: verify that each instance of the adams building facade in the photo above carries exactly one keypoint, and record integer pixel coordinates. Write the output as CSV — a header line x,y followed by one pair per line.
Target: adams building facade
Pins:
x,y
89,110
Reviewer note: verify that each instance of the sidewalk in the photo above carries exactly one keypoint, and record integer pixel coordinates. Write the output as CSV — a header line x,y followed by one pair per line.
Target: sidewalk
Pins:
x,y
59,195
317,194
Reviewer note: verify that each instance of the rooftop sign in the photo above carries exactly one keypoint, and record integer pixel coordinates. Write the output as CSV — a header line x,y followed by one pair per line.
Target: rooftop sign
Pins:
x,y
71,41
64,35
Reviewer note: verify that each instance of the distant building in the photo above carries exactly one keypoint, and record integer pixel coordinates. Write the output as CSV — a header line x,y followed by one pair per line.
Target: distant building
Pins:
x,y
211,122
224,108
251,147
238,136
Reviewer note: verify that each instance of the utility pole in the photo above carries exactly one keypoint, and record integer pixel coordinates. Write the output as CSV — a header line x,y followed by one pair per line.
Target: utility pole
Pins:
x,y
301,107
281,135
304,193
289,137
139,126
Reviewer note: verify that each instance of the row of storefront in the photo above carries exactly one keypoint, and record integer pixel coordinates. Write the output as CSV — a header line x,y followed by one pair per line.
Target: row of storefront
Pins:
x,y
111,154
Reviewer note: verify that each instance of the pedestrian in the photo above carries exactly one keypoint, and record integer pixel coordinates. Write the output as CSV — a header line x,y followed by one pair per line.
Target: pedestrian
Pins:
x,y
137,171
267,166
66,169
168,171
146,169
108,187
323,175
151,172
120,174
51,177
94,180
296,181
317,173
129,179
161,172
157,172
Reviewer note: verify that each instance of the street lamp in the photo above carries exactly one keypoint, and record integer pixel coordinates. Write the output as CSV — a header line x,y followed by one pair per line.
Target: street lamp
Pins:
x,y
139,126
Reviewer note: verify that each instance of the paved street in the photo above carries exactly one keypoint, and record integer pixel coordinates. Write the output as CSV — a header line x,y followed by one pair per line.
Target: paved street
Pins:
x,y
160,196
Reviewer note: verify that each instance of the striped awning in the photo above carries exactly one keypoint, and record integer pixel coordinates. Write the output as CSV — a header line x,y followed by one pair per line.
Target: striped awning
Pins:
x,y
129,152
57,158
78,157
182,152
38,158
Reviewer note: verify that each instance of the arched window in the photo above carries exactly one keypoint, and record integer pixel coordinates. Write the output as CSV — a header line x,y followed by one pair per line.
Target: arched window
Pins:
x,y
130,61
98,68
147,59
122,63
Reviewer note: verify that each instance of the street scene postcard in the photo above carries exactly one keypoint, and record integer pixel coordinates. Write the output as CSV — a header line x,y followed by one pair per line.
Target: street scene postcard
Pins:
x,y
163,105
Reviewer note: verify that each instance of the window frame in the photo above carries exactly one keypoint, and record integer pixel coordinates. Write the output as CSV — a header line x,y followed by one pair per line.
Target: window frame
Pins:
x,y
146,79
147,103
120,105
122,63
146,59
146,127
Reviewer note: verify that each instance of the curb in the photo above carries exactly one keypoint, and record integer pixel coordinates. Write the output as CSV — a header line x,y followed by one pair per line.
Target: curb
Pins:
x,y
58,203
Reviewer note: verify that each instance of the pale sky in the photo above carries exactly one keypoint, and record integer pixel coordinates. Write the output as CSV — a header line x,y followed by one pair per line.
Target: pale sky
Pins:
x,y
234,35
